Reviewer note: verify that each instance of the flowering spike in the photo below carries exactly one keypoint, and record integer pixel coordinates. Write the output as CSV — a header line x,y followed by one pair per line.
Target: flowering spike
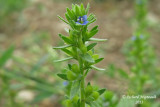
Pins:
x,y
77,49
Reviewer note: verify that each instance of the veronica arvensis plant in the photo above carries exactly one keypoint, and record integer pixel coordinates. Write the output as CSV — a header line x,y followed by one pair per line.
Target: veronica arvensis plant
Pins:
x,y
78,47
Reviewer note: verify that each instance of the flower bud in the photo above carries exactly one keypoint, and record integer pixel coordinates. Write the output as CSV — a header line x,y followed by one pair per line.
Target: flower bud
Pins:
x,y
83,49
75,99
108,95
88,90
71,75
75,68
68,103
95,95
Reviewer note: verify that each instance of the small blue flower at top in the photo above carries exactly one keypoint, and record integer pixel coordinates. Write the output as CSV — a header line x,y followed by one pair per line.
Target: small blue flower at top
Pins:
x,y
82,20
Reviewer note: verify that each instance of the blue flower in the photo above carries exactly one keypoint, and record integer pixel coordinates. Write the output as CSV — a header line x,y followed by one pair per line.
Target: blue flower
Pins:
x,y
65,83
141,36
133,38
82,20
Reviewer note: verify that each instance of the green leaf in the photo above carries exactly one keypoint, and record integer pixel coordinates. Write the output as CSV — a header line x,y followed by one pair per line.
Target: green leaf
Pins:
x,y
87,9
77,11
91,17
82,9
61,47
98,60
73,7
88,83
67,51
92,33
96,68
70,66
66,39
87,58
62,19
94,28
6,55
101,91
65,59
91,21
89,47
86,72
62,76
67,17
75,88
70,13
98,40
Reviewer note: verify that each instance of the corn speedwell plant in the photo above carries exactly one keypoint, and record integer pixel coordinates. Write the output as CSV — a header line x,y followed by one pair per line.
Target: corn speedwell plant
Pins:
x,y
77,47
140,52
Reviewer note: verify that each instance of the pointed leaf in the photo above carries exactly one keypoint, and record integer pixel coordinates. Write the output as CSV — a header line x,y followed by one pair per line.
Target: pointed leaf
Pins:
x,y
62,76
77,11
101,91
87,9
70,66
94,28
87,58
65,59
61,47
98,60
93,20
82,9
86,72
98,40
66,39
91,17
96,68
92,33
89,47
6,55
62,19
67,51
67,17
70,13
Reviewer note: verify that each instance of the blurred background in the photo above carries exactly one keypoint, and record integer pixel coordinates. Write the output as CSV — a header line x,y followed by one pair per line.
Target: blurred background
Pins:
x,y
28,31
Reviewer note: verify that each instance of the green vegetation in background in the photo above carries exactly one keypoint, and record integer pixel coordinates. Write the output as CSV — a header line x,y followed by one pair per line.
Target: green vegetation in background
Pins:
x,y
6,91
23,74
141,60
8,8
140,53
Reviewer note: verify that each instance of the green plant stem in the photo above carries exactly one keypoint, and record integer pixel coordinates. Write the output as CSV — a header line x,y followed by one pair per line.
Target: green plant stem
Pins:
x,y
82,73
82,84
82,93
